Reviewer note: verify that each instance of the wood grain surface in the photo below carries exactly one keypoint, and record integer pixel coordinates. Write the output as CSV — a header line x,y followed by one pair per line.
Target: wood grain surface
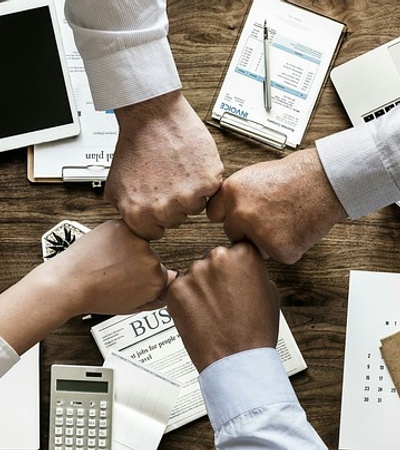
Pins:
x,y
314,290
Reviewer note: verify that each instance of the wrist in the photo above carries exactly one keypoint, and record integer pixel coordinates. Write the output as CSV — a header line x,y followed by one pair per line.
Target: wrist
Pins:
x,y
32,308
314,173
158,109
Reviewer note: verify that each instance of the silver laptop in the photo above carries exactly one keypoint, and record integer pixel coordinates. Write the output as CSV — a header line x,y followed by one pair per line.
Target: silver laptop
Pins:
x,y
369,85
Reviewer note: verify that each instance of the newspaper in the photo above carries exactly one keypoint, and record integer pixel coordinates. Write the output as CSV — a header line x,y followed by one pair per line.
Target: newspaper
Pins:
x,y
151,338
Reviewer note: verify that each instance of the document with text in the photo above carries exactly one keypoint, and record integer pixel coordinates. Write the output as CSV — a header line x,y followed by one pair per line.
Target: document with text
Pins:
x,y
302,46
151,339
370,413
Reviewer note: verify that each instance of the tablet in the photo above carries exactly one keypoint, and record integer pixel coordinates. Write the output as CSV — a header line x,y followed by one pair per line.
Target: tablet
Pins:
x,y
36,97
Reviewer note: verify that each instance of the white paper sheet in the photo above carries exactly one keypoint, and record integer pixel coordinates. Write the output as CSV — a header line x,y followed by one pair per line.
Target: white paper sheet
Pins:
x,y
143,402
370,416
20,404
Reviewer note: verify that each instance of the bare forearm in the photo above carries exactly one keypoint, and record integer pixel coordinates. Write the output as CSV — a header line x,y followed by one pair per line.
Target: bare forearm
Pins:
x,y
31,309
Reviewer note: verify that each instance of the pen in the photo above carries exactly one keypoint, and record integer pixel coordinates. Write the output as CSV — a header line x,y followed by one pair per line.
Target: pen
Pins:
x,y
267,76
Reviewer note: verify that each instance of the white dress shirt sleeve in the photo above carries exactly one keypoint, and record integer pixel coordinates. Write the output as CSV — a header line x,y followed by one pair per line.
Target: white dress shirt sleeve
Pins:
x,y
251,404
8,357
363,164
125,50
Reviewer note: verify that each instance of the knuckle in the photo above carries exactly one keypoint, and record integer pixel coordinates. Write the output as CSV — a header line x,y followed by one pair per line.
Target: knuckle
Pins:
x,y
218,254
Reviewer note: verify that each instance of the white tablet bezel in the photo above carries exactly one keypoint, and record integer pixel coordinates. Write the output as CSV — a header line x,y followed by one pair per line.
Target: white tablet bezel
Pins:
x,y
55,132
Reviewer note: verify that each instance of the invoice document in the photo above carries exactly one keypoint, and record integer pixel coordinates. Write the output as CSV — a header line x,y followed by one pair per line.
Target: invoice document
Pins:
x,y
302,45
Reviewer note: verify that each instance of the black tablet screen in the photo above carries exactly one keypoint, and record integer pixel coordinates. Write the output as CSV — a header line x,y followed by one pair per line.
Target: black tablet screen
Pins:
x,y
33,95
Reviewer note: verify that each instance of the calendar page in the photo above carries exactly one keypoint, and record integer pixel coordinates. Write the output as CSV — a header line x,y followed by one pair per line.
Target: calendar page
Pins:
x,y
370,415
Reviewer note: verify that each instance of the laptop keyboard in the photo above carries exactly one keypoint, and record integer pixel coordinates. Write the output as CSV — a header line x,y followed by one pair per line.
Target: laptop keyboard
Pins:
x,y
380,111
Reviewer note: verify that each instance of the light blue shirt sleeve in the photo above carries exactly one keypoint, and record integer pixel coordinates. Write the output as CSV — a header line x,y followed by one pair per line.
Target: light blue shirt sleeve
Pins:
x,y
125,50
8,357
251,404
363,164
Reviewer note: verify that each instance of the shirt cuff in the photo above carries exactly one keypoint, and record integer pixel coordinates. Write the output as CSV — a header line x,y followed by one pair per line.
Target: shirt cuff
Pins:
x,y
8,357
356,169
132,75
241,382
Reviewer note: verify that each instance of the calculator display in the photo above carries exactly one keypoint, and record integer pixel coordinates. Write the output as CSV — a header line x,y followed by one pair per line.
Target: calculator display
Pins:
x,y
82,386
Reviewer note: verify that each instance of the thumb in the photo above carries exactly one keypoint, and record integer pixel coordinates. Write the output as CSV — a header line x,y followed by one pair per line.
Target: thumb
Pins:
x,y
172,275
216,208
169,275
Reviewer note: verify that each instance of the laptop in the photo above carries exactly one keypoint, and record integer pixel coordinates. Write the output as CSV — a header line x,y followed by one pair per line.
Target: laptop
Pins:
x,y
369,85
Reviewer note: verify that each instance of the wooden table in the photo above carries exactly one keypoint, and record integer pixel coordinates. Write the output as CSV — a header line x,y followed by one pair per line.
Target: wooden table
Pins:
x,y
314,290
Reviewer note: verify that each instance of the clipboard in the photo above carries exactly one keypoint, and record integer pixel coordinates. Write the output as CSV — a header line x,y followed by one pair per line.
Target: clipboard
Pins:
x,y
238,109
96,174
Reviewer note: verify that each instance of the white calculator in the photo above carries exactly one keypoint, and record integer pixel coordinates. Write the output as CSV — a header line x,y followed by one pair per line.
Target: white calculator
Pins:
x,y
81,403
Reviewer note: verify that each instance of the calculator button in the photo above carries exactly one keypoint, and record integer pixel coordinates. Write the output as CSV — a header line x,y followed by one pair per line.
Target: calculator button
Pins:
x,y
102,443
79,442
58,440
92,432
58,431
91,422
69,441
69,432
103,404
68,448
91,442
80,432
59,411
103,423
58,447
80,422
103,433
70,411
69,421
59,421
92,413
80,412
103,413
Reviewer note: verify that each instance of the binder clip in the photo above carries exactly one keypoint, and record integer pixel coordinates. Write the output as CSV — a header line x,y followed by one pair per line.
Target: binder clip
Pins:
x,y
96,174
253,130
